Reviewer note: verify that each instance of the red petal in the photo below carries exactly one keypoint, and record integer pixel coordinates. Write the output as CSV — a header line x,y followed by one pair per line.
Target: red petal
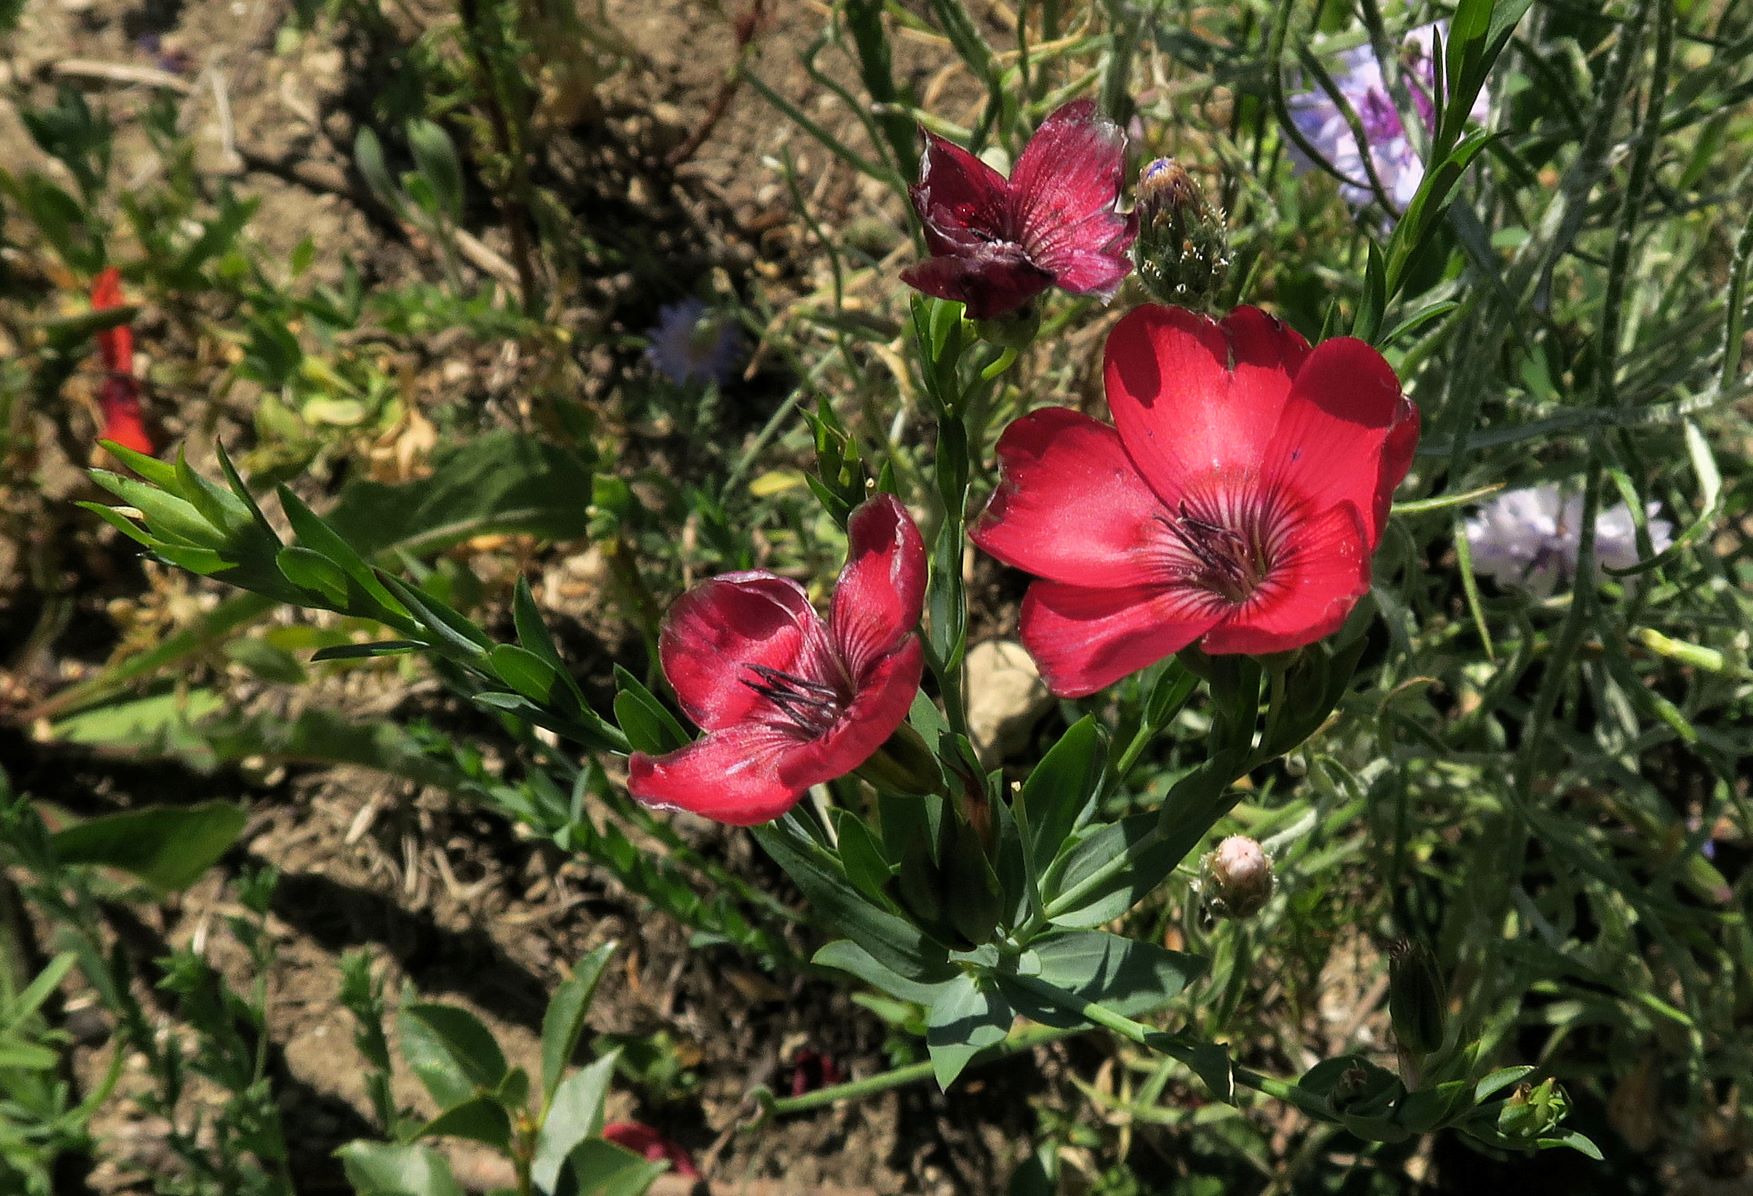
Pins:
x,y
1347,432
723,624
957,194
123,421
1193,398
1308,595
1070,505
731,776
106,289
114,345
1084,639
882,589
885,694
992,279
1062,196
753,772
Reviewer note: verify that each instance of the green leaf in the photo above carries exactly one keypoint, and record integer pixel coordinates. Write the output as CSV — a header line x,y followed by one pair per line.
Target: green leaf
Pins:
x,y
383,1169
523,670
893,942
1127,976
647,722
1061,785
314,572
1368,321
563,1021
368,160
968,1016
454,1055
167,847
366,651
482,1119
436,158
37,991
849,957
860,856
532,634
574,1114
602,1168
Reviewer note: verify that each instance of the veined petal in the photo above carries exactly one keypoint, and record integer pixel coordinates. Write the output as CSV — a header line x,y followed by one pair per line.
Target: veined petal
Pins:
x,y
1070,505
956,194
882,589
1310,591
734,775
1192,397
1346,434
1089,271
884,696
1084,639
723,625
1065,185
992,279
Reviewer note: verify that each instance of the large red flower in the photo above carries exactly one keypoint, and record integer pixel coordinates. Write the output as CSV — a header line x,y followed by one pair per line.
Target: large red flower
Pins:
x,y
124,421
996,244
1236,503
787,699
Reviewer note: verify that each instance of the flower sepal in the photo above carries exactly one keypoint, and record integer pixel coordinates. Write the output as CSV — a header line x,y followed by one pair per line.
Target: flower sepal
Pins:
x,y
903,765
1013,330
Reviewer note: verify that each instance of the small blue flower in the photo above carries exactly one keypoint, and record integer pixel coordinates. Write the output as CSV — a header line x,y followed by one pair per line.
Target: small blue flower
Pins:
x,y
692,343
1358,76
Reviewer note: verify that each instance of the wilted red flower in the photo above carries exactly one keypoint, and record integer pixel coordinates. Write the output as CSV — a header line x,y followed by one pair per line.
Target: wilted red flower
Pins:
x,y
1236,504
642,1140
119,399
811,1070
787,699
996,244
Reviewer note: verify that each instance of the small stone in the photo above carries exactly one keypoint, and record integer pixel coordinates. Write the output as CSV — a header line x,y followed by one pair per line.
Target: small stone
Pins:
x,y
1006,697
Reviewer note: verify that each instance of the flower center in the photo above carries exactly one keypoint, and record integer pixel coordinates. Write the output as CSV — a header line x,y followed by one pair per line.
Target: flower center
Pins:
x,y
808,707
1226,545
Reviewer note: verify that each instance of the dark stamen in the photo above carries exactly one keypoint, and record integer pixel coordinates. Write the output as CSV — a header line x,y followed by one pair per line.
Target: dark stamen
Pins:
x,y
810,706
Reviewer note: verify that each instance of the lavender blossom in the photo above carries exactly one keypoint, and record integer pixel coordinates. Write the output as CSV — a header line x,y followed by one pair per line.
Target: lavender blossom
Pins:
x,y
692,343
1358,76
1529,538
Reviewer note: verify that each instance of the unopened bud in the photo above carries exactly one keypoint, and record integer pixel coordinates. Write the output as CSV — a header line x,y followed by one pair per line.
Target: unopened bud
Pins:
x,y
1416,999
1013,330
1236,878
904,764
1533,1111
1183,250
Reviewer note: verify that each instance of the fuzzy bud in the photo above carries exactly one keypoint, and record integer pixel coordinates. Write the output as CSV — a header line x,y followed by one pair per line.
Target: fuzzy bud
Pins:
x,y
1182,251
1236,878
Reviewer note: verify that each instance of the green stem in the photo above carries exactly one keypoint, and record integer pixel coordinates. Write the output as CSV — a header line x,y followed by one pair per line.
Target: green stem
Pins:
x,y
1175,1046
912,1073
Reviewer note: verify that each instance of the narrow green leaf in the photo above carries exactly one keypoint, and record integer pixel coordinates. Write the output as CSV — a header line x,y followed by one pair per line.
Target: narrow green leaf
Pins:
x,y
167,847
563,1021
454,1055
385,1169
575,1113
968,1016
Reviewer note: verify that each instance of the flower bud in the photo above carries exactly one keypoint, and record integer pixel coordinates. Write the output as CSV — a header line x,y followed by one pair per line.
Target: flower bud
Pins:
x,y
1416,999
1182,251
1533,1112
1236,877
1013,330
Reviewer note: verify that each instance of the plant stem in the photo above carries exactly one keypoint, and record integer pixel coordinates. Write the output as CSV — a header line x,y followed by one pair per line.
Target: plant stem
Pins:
x,y
912,1073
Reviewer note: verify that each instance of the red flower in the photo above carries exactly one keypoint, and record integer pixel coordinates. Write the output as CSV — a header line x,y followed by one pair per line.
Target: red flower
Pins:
x,y
996,244
646,1142
788,700
1236,504
123,420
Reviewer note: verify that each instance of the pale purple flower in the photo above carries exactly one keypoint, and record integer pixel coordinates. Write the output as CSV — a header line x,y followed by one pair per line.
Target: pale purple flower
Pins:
x,y
1358,75
1529,538
692,343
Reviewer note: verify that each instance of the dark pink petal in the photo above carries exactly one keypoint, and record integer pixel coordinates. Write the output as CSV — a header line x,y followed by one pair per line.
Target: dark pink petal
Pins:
x,y
1347,432
882,589
1063,191
885,694
724,624
1089,271
1084,639
1070,504
958,195
1193,398
1308,594
992,279
737,775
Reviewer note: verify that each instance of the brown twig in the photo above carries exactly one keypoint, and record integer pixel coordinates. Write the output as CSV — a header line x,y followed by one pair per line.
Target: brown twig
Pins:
x,y
746,28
